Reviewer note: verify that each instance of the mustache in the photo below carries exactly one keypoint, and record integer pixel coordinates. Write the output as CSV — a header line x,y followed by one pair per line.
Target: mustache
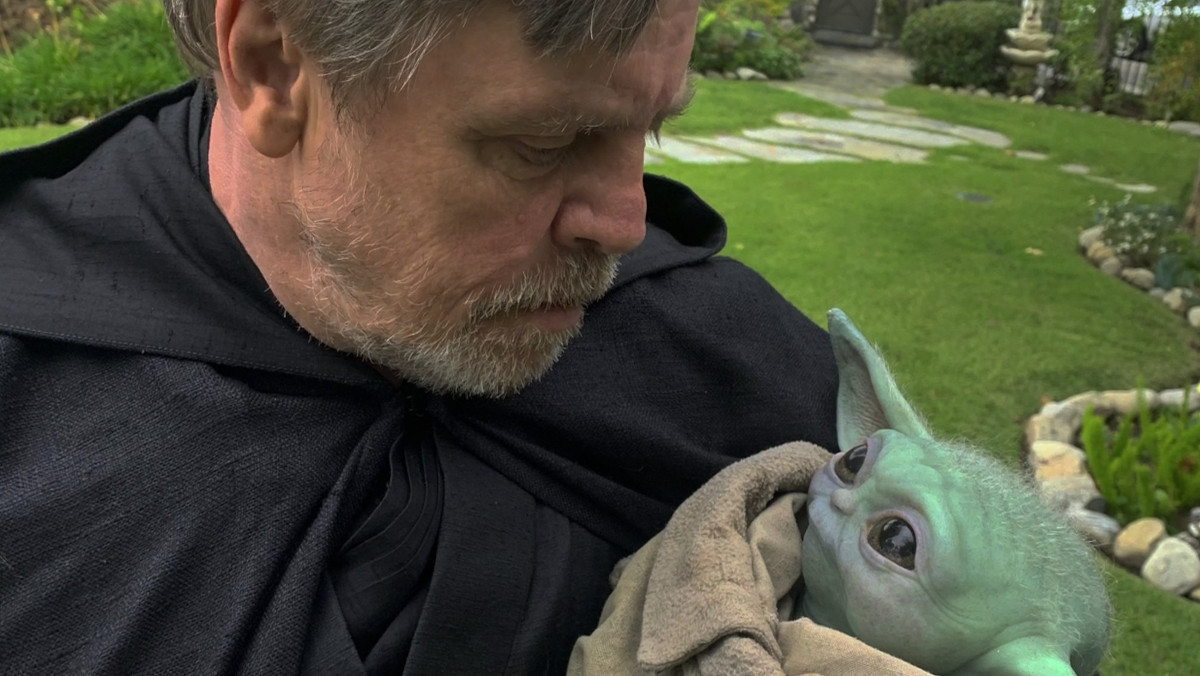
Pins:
x,y
572,281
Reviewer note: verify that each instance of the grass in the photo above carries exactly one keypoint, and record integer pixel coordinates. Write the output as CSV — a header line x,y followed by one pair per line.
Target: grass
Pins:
x,y
18,137
977,329
89,64
721,105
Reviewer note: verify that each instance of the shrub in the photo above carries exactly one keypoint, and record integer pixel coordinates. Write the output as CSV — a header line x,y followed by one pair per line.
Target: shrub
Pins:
x,y
86,65
1145,233
1153,470
732,35
1176,70
958,44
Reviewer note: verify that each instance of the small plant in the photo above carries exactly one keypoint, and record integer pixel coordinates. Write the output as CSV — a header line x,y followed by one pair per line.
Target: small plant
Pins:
x,y
1146,233
958,44
1148,467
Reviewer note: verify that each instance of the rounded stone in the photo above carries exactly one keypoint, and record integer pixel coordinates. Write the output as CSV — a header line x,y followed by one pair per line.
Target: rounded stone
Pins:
x,y
1055,459
1157,293
1173,566
1047,428
1133,545
1193,316
1124,402
1111,267
1174,399
1139,277
1174,300
1098,529
1090,236
1068,492
1099,251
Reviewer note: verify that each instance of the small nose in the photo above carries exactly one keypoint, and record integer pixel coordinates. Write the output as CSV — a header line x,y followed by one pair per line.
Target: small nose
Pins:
x,y
842,500
604,206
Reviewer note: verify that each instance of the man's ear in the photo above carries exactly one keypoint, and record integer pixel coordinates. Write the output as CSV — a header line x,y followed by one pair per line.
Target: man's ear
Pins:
x,y
868,399
1023,657
262,75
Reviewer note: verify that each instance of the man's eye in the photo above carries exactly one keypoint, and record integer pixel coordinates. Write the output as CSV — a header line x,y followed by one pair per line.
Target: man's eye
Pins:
x,y
542,157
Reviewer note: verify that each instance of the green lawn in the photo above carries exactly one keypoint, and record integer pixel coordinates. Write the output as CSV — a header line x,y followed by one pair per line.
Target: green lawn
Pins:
x,y
28,136
977,330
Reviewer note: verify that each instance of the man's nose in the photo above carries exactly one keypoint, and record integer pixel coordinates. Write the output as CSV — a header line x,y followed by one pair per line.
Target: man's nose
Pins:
x,y
604,205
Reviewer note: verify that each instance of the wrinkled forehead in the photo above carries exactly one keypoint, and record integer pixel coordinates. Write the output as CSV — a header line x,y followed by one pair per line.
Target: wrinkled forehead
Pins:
x,y
915,463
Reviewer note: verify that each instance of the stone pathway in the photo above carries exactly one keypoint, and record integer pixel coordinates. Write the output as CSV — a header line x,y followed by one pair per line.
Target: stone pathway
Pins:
x,y
854,80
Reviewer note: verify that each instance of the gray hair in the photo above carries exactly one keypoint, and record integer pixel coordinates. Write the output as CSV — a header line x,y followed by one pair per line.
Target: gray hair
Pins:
x,y
366,48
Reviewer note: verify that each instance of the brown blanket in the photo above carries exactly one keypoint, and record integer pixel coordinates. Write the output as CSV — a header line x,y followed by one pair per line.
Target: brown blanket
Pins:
x,y
706,595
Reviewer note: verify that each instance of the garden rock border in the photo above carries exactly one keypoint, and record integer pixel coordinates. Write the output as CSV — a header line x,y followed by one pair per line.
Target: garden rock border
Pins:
x,y
1059,468
1181,301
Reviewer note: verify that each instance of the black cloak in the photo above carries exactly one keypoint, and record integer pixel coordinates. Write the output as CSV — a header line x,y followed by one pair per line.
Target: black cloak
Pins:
x,y
189,483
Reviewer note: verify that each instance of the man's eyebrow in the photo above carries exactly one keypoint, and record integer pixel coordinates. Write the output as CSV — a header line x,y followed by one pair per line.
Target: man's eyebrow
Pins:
x,y
561,121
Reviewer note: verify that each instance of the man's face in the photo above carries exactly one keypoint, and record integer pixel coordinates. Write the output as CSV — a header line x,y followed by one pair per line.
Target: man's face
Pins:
x,y
455,236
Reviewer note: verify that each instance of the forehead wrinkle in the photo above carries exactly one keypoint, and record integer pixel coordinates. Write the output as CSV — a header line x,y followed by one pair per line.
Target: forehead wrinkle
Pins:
x,y
565,118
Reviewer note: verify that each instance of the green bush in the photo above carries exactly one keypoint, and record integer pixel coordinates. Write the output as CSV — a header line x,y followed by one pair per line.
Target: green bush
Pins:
x,y
1150,471
732,35
958,44
87,65
1176,70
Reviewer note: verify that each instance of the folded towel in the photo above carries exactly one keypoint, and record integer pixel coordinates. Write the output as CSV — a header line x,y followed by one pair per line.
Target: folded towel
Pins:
x,y
707,594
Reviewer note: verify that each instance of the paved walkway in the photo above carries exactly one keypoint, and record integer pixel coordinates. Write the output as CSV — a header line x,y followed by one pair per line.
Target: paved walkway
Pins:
x,y
854,80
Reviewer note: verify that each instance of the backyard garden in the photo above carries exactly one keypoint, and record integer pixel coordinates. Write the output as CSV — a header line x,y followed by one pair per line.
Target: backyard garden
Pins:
x,y
962,261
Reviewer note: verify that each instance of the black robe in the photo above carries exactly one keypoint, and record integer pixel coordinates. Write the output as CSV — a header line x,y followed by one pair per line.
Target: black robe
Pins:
x,y
189,483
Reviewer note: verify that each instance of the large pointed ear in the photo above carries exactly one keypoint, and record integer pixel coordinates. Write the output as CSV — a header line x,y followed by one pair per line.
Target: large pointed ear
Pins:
x,y
868,399
1023,657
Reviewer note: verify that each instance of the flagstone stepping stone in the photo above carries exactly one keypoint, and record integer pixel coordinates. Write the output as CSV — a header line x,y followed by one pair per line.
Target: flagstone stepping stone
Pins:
x,y
1185,127
839,98
770,152
1031,155
1140,188
981,136
1077,169
692,152
873,130
868,150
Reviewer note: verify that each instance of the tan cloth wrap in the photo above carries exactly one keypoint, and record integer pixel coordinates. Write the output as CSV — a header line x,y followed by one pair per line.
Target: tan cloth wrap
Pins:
x,y
704,596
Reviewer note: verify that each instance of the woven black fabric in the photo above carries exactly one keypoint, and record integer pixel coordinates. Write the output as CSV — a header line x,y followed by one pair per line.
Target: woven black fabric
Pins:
x,y
190,484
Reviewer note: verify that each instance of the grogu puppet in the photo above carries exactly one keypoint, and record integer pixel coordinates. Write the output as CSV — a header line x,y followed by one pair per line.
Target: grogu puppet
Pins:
x,y
936,553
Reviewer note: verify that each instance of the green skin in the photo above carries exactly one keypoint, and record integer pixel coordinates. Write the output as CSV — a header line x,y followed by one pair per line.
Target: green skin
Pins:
x,y
935,553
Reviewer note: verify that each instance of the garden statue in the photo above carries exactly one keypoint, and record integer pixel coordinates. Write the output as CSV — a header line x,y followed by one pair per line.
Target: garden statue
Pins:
x,y
901,554
1030,45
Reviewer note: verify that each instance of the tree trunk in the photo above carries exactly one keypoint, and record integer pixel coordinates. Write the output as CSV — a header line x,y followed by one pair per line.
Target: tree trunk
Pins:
x,y
1107,14
1191,217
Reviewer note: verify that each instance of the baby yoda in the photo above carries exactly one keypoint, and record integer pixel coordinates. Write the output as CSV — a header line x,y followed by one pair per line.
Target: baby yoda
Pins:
x,y
936,553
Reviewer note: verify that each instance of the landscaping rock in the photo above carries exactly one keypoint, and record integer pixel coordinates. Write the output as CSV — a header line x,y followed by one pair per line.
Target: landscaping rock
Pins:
x,y
1174,398
1132,546
1173,566
1046,428
1014,98
1193,316
1185,127
1195,594
1069,492
1054,460
1111,267
1099,251
1123,402
983,92
730,75
1084,109
935,87
1174,299
714,75
1099,529
1157,293
1090,236
745,73
1027,99
1139,277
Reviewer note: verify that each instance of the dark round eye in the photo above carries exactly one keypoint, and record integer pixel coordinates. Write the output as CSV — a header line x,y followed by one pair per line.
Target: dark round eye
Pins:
x,y
851,461
894,538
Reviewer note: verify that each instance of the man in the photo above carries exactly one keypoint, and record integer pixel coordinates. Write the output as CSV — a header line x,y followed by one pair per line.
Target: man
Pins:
x,y
276,391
